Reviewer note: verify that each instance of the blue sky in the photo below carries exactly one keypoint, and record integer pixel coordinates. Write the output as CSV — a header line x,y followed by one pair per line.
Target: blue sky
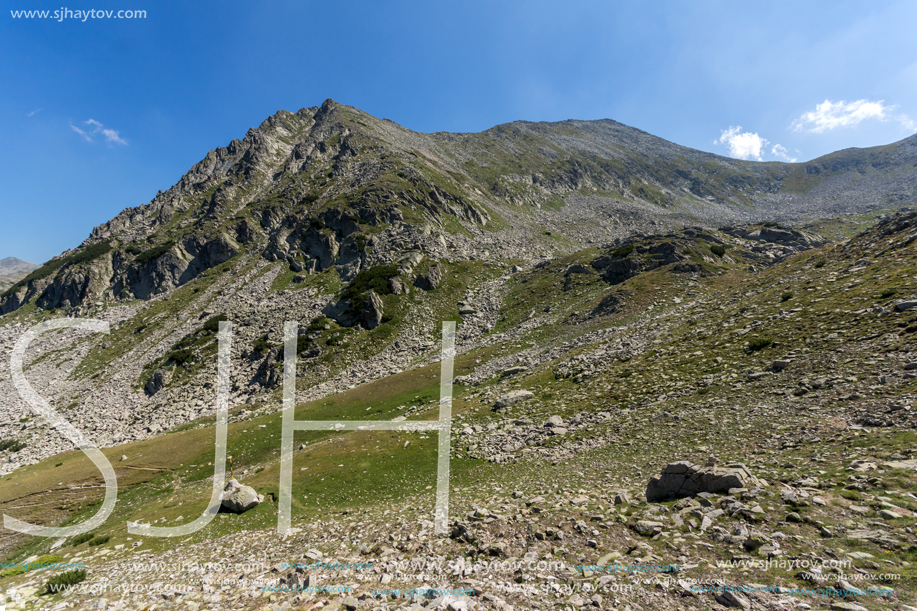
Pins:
x,y
98,115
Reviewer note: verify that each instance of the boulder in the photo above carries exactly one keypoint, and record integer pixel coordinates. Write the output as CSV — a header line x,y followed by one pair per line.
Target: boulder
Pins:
x,y
683,479
512,397
239,499
157,381
371,315
430,280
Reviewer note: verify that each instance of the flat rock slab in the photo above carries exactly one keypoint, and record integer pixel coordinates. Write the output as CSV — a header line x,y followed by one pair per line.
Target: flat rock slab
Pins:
x,y
512,398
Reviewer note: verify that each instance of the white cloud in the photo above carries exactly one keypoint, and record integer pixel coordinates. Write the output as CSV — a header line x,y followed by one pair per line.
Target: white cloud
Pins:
x,y
34,112
110,135
831,115
742,145
781,152
80,132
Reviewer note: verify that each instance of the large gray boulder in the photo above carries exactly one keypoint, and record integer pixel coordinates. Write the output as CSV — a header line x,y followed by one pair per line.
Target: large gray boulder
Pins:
x,y
430,280
512,397
239,499
682,479
371,314
157,381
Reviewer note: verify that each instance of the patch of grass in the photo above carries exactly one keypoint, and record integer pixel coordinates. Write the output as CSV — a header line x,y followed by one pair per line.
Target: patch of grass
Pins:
x,y
786,296
820,263
886,293
718,249
100,540
759,343
623,251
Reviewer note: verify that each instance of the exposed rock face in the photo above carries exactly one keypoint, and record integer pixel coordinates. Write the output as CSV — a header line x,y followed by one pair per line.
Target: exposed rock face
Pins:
x,y
239,499
430,280
681,479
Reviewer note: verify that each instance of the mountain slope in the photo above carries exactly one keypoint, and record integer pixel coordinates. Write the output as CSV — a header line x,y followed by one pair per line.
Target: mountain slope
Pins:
x,y
329,186
12,270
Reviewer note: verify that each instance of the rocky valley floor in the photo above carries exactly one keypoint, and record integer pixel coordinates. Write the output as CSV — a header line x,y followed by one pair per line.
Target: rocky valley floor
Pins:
x,y
770,382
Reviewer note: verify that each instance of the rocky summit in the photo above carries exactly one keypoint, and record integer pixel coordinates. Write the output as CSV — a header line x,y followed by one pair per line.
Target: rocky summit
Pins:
x,y
680,381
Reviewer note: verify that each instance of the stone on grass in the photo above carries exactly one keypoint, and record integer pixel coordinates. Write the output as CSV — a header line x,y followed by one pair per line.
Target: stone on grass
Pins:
x,y
512,397
239,499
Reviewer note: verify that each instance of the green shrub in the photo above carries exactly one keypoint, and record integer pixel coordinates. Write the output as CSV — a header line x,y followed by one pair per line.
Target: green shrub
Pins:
x,y
261,344
70,578
213,325
820,263
102,540
133,249
888,293
372,279
718,249
13,445
319,323
759,343
81,539
180,357
49,559
623,251
786,296
154,253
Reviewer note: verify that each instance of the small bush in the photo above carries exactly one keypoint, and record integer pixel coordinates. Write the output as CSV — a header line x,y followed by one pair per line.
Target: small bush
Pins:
x,y
213,325
718,249
302,344
820,263
372,279
786,296
60,582
319,323
13,445
623,251
153,253
261,344
133,249
81,539
759,343
99,540
180,357
888,293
